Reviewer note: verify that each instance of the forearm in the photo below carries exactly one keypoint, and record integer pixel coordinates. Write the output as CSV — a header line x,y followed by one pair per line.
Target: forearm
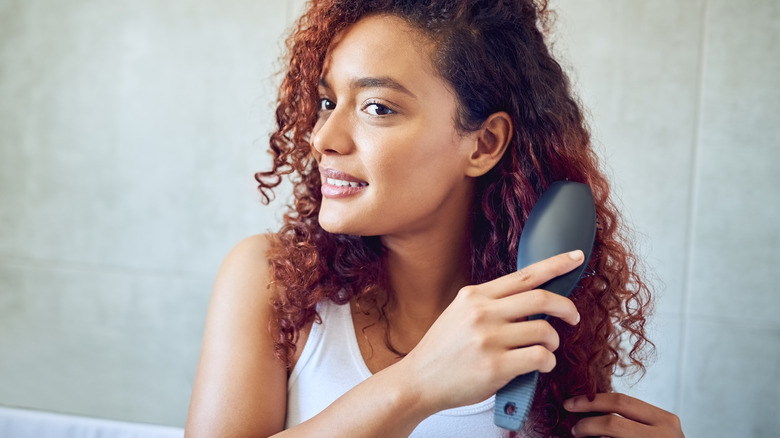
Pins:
x,y
388,404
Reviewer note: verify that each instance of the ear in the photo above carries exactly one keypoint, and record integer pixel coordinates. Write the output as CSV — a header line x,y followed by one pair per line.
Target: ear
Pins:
x,y
490,143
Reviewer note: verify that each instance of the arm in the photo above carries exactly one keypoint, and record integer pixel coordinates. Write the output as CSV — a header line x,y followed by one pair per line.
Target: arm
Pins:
x,y
470,351
240,388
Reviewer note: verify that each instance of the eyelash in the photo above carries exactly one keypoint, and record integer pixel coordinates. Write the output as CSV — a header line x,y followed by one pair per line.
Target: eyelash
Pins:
x,y
383,108
326,104
324,101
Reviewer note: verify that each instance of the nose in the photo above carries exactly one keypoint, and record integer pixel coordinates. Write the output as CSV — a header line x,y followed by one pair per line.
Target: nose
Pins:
x,y
331,134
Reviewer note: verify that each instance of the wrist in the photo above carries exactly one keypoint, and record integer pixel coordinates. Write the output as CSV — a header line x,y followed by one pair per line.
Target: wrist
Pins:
x,y
406,390
414,389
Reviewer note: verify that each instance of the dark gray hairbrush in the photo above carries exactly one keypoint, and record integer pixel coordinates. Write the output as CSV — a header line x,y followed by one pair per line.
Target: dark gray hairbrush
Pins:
x,y
563,220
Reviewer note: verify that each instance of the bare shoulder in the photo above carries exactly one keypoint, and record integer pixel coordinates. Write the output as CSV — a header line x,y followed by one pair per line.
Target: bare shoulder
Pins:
x,y
237,366
243,280
247,262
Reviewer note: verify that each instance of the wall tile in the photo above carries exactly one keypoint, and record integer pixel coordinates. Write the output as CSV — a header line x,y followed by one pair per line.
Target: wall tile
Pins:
x,y
102,344
134,131
737,233
730,379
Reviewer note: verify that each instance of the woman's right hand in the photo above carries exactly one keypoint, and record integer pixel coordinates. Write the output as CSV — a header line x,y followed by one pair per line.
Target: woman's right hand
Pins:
x,y
483,339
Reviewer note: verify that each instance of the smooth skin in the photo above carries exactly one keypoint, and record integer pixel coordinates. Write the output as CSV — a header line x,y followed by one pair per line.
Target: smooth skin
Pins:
x,y
420,173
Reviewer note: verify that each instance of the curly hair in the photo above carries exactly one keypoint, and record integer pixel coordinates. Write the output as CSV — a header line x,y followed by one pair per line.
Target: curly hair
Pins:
x,y
495,57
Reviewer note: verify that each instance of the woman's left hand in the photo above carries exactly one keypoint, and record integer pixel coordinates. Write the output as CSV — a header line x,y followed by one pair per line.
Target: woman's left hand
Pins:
x,y
624,416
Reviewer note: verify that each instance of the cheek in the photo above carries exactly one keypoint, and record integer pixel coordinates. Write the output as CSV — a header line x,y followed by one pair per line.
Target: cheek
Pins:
x,y
435,155
413,156
315,154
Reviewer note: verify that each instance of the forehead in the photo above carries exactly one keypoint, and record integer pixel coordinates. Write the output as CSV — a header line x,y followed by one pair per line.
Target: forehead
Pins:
x,y
381,46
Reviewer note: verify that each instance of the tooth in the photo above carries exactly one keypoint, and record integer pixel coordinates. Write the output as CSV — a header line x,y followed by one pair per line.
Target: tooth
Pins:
x,y
343,183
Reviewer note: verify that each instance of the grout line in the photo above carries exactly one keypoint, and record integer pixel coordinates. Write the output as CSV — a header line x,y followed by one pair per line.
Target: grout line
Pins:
x,y
686,299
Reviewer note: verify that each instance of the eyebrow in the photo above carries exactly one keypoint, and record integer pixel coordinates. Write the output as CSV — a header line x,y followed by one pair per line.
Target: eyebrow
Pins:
x,y
373,82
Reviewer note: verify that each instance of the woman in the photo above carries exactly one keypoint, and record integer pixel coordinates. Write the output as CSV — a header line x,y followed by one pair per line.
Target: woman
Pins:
x,y
419,135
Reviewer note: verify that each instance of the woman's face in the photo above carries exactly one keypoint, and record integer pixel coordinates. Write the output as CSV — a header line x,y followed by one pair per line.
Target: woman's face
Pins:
x,y
391,158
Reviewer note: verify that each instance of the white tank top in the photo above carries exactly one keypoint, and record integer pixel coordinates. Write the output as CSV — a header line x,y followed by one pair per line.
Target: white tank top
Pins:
x,y
331,364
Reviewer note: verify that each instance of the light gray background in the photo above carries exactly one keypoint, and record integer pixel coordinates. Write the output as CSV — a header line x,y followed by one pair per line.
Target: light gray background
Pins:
x,y
130,130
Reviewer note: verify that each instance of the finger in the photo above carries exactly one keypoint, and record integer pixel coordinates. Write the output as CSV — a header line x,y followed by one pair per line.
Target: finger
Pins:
x,y
527,359
534,275
621,404
528,333
533,302
610,425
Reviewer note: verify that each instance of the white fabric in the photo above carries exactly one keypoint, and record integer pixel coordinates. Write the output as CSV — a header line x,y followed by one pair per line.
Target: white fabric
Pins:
x,y
21,423
331,364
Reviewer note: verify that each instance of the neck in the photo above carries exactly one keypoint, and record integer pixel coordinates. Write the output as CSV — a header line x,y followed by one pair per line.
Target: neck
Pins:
x,y
426,272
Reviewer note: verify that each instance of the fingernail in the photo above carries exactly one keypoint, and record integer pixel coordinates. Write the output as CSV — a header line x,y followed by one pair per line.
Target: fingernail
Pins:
x,y
576,255
568,404
578,318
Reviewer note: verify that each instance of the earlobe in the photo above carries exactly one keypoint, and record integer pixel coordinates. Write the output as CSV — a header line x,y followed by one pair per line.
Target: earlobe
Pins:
x,y
490,143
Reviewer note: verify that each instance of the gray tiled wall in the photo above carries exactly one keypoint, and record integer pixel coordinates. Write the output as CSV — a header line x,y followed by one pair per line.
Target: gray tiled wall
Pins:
x,y
685,100
129,132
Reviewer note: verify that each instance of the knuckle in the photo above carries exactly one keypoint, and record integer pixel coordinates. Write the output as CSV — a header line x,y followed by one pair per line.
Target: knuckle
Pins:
x,y
542,331
622,401
478,315
523,275
478,345
536,355
542,358
612,424
468,292
549,334
673,420
539,298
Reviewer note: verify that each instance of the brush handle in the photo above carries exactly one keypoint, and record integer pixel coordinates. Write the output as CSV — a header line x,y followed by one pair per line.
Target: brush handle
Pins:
x,y
513,401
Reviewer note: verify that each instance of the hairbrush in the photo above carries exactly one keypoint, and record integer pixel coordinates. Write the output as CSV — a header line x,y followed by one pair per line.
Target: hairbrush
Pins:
x,y
562,220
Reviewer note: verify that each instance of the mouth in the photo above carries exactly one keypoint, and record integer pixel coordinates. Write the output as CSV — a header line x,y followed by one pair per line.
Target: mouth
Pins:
x,y
338,184
344,183
340,179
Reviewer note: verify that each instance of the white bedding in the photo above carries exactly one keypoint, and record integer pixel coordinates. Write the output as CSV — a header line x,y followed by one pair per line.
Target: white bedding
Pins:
x,y
21,423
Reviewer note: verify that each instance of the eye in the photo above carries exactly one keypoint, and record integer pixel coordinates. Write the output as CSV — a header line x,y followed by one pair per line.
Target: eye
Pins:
x,y
377,109
327,104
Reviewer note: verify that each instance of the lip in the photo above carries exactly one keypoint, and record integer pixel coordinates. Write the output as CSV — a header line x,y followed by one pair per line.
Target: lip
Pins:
x,y
333,191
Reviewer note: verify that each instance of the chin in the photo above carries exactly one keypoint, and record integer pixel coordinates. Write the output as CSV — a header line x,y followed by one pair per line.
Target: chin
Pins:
x,y
339,224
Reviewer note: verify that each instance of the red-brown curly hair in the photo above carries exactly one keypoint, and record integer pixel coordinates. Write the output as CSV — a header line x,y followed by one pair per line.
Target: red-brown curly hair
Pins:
x,y
495,57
